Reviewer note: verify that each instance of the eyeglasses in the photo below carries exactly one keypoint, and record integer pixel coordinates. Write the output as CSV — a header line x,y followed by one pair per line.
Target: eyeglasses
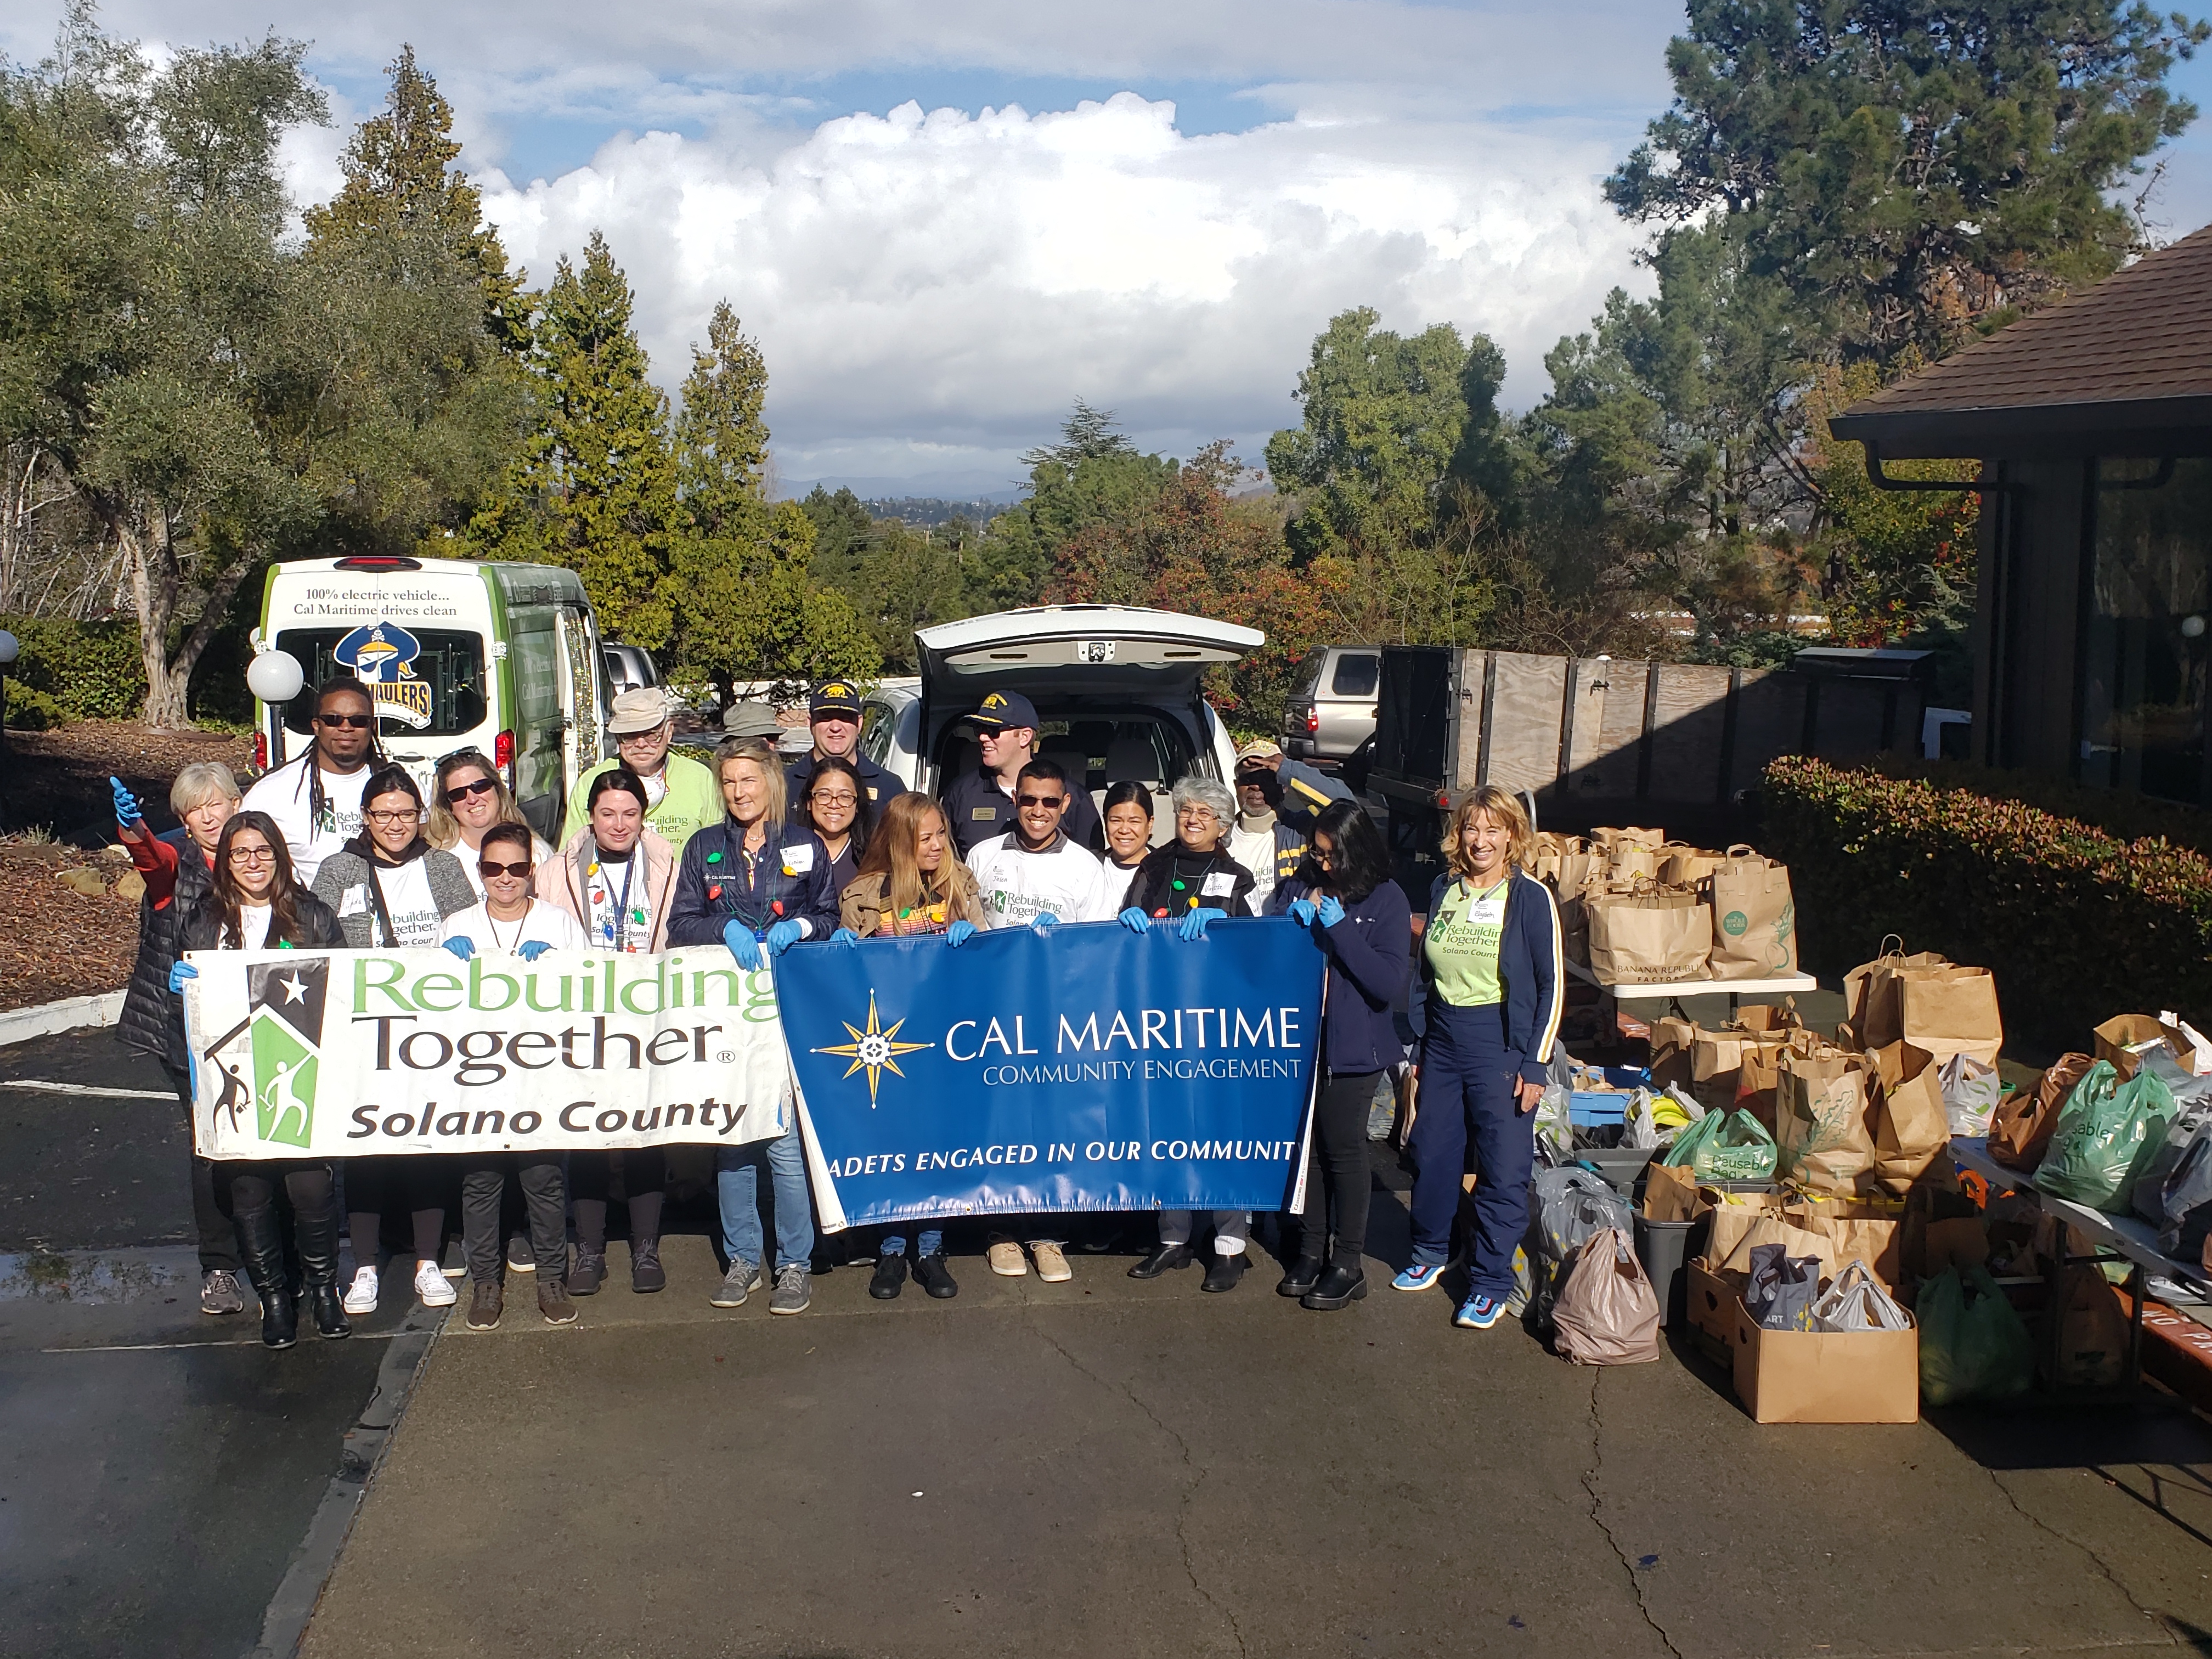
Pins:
x,y
1322,854
253,856
404,815
844,799
461,792
1042,800
489,867
624,739
359,722
1193,814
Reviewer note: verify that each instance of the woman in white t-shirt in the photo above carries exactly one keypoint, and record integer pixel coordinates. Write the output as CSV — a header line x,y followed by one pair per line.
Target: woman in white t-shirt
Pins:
x,y
252,904
468,797
393,889
511,922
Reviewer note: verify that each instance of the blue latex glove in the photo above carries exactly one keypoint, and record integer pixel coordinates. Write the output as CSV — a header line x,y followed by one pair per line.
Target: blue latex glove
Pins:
x,y
1330,910
181,972
959,933
783,935
743,946
127,803
1301,911
462,948
530,949
1135,920
844,936
1044,921
1194,925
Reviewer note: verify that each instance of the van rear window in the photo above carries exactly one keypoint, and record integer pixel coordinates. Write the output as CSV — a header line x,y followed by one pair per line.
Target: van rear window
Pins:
x,y
423,680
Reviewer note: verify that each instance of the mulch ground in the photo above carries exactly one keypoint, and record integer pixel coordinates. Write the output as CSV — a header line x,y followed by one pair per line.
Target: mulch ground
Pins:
x,y
60,941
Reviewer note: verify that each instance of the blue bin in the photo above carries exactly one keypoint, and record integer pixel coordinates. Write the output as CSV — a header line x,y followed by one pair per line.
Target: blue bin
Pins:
x,y
1590,1111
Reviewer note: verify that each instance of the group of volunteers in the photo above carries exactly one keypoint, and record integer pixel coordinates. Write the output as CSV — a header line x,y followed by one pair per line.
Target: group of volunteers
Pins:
x,y
339,849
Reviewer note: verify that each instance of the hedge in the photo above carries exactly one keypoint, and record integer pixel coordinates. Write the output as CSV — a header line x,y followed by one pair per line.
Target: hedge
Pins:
x,y
89,670
2076,923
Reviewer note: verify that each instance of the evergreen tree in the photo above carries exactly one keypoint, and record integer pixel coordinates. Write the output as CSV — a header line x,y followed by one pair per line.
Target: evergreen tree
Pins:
x,y
1094,476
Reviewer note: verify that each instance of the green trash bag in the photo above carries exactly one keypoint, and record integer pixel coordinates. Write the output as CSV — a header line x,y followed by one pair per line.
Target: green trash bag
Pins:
x,y
1724,1147
1973,1345
2108,1132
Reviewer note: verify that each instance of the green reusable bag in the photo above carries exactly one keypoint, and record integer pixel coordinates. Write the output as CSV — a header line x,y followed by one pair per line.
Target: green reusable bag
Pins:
x,y
2107,1131
1973,1345
1740,1150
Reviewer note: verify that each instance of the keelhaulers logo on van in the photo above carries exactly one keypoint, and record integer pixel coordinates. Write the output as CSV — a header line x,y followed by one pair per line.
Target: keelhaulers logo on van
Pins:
x,y
382,655
283,1026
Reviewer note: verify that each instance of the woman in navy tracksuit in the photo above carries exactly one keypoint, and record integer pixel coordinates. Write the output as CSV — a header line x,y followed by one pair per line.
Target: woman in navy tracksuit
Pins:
x,y
760,885
1492,960
1343,894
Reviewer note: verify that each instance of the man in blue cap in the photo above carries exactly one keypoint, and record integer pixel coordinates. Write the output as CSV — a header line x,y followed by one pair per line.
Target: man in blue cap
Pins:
x,y
834,716
981,803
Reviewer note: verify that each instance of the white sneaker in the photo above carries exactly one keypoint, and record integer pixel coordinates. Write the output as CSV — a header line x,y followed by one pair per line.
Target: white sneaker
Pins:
x,y
361,1295
433,1287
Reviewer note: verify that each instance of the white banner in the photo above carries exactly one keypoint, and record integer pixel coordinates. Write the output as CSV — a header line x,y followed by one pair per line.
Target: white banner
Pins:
x,y
343,1054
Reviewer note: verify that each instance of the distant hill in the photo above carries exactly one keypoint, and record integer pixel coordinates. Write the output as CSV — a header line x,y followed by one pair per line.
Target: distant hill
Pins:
x,y
927,512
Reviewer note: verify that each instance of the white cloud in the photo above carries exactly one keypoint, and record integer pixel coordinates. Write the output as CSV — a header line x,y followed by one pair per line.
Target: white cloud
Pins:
x,y
932,290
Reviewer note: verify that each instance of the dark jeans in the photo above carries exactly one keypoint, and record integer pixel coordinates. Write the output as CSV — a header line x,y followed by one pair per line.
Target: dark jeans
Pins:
x,y
1337,1178
645,1175
484,1184
1467,1078
420,1184
210,1193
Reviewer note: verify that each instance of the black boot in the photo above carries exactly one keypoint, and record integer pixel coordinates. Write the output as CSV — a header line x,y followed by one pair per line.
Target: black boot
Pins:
x,y
1340,1287
261,1248
1300,1277
317,1231
1165,1258
1225,1272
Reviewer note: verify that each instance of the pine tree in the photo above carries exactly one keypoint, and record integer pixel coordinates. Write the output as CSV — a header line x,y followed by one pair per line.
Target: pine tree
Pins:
x,y
596,488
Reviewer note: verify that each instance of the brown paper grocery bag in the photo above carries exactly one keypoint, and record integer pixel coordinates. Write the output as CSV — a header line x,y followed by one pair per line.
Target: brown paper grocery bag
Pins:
x,y
1913,1134
1632,861
1870,992
2116,1038
1611,836
1860,1231
1772,1228
1646,938
1755,919
1671,1038
1681,864
1950,1011
1670,1194
1823,1109
2022,1126
1733,1214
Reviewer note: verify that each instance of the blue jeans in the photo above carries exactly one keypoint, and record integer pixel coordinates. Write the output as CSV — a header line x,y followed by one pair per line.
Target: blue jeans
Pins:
x,y
1468,1077
737,1189
931,1239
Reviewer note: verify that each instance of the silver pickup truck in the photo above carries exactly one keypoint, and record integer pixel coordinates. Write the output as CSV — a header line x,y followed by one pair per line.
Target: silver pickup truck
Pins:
x,y
1331,710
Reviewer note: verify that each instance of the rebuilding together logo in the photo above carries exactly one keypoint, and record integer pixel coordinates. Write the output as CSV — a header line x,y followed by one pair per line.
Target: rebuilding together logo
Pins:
x,y
283,1032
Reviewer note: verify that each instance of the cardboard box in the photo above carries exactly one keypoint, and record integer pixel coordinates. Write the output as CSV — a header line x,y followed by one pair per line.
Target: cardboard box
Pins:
x,y
1826,1376
1713,1303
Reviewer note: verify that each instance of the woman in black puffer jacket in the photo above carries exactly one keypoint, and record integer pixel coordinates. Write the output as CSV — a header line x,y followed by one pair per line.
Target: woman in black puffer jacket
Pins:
x,y
254,904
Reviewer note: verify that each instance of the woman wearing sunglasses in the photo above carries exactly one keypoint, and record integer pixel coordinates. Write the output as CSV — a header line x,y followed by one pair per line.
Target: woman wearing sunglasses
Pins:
x,y
469,799
391,889
252,904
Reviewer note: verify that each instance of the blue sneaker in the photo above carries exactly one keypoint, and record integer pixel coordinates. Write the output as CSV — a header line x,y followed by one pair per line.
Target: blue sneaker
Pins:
x,y
1418,1277
1478,1313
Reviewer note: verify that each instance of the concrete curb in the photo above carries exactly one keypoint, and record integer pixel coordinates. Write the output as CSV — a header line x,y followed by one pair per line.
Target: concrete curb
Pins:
x,y
99,1277
284,1623
52,1018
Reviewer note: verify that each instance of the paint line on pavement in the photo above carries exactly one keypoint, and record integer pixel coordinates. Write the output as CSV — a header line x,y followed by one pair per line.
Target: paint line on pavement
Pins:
x,y
46,1088
219,1342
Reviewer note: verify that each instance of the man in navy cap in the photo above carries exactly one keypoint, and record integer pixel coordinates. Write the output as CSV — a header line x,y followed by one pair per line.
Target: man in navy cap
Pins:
x,y
981,803
834,717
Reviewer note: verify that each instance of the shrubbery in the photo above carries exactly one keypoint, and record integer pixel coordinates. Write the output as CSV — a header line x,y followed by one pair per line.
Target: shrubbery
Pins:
x,y
2076,923
85,670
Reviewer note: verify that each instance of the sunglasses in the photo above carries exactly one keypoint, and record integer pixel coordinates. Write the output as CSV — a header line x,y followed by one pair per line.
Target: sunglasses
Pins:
x,y
1042,800
358,722
461,792
493,867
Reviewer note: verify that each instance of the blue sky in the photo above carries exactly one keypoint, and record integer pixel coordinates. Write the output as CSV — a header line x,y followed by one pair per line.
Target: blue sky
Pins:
x,y
1167,200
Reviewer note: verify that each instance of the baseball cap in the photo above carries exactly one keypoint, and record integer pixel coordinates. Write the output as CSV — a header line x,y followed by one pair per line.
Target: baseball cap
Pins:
x,y
1002,709
835,697
1258,749
751,720
643,708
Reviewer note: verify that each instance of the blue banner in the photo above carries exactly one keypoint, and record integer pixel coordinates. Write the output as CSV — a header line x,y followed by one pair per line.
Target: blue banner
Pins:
x,y
1089,1069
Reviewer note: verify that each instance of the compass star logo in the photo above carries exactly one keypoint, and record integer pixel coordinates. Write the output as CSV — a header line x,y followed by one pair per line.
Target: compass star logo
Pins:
x,y
874,1048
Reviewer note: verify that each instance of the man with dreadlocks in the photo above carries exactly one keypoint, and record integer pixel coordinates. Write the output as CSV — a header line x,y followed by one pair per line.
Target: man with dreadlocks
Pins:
x,y
316,799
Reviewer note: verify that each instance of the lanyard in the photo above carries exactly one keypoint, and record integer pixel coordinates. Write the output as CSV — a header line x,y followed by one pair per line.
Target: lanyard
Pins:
x,y
620,931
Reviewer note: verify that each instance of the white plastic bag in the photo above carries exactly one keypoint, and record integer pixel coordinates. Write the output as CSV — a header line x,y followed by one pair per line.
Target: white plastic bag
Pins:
x,y
1554,1122
1970,1094
1855,1301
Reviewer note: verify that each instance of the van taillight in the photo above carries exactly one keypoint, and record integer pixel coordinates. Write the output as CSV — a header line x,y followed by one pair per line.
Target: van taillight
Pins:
x,y
502,755
261,752
1313,722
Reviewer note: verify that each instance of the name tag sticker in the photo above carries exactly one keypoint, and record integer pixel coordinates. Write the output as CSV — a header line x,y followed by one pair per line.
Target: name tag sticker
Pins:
x,y
984,814
798,859
1487,913
1219,884
354,903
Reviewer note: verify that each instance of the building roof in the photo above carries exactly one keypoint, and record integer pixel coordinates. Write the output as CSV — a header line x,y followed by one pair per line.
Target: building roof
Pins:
x,y
2124,368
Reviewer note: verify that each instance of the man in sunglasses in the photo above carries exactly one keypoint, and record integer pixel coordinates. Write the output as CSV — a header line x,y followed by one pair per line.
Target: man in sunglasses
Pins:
x,y
316,799
511,921
1033,876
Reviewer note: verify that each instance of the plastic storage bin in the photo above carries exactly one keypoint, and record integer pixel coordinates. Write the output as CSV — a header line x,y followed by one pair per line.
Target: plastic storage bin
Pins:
x,y
1662,1247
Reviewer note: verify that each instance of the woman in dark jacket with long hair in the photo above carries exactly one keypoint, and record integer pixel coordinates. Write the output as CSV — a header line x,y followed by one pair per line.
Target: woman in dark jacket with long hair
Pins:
x,y
254,904
1342,894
